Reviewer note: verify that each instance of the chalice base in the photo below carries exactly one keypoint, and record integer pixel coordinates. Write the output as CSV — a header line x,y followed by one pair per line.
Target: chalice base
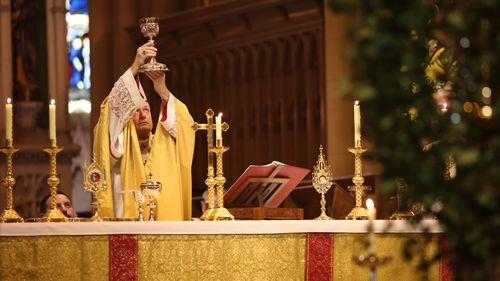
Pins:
x,y
402,215
357,213
153,66
323,217
10,215
54,215
222,214
208,215
96,217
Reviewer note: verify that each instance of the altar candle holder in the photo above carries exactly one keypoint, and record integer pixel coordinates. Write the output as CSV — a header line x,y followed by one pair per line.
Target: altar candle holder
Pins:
x,y
210,181
221,213
358,212
9,214
53,213
401,214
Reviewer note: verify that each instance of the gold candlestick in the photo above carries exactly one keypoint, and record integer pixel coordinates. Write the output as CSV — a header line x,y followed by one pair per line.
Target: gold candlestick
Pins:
x,y
94,182
9,214
322,181
210,180
53,213
220,213
358,212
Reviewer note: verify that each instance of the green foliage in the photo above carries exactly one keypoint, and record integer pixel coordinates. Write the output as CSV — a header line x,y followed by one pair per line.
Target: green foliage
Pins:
x,y
393,43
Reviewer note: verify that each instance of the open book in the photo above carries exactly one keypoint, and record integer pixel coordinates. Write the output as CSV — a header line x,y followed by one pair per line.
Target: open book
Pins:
x,y
264,185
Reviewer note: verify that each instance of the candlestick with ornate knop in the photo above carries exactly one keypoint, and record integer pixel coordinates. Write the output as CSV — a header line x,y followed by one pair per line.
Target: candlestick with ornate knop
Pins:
x,y
221,213
322,180
358,212
95,182
53,213
9,214
210,181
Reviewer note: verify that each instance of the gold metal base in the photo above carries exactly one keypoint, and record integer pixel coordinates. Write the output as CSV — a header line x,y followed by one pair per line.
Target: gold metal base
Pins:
x,y
208,215
222,214
54,215
357,213
323,217
96,217
402,215
153,66
10,215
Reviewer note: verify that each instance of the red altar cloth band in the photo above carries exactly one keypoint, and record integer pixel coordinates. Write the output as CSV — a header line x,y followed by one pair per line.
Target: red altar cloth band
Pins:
x,y
123,261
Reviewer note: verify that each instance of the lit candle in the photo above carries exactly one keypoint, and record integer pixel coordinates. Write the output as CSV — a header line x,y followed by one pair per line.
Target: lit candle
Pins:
x,y
8,122
371,216
52,122
218,127
357,125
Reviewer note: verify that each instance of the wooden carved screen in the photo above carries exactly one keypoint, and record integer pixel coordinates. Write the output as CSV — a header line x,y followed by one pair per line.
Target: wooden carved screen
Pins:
x,y
260,63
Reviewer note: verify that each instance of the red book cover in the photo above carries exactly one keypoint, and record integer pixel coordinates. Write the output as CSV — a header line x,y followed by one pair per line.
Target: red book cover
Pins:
x,y
271,183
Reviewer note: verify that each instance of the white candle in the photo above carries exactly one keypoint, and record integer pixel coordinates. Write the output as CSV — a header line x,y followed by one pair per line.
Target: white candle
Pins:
x,y
357,125
8,121
372,212
218,127
52,122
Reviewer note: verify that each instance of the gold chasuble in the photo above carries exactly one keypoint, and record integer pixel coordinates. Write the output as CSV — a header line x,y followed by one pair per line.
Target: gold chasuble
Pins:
x,y
169,162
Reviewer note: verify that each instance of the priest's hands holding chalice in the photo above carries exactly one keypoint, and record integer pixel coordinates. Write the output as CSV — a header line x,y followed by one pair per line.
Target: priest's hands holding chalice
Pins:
x,y
142,56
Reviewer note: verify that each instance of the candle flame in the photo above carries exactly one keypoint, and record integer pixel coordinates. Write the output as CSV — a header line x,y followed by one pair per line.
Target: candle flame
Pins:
x,y
220,114
52,101
9,100
356,102
370,204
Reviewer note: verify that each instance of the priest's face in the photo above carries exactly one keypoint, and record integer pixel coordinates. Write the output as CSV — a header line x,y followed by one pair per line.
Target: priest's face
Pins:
x,y
143,121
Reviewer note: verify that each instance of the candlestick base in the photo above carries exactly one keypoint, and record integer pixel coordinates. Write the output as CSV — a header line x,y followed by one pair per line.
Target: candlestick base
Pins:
x,y
357,213
208,215
54,215
10,215
222,214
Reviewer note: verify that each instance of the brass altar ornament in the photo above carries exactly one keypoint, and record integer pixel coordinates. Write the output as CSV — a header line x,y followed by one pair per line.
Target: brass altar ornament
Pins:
x,y
150,28
53,213
151,190
371,261
402,212
211,181
322,180
9,214
95,182
358,212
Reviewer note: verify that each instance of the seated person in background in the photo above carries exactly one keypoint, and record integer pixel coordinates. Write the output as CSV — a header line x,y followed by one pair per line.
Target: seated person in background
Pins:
x,y
63,204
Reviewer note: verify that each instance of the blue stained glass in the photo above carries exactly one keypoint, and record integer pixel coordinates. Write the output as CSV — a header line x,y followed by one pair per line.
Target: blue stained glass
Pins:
x,y
78,7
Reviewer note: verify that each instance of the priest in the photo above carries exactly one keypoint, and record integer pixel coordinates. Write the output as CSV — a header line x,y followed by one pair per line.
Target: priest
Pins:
x,y
129,151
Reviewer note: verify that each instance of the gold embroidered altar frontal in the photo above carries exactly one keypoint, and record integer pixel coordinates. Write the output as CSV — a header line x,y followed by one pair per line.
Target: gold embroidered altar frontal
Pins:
x,y
54,258
222,257
226,250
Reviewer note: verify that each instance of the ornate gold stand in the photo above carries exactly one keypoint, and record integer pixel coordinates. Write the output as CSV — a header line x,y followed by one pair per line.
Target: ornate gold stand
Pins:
x,y
9,214
372,261
210,180
358,212
94,182
221,213
53,213
401,214
322,181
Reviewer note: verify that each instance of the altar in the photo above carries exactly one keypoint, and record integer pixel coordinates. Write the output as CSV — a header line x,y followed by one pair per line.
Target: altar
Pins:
x,y
206,250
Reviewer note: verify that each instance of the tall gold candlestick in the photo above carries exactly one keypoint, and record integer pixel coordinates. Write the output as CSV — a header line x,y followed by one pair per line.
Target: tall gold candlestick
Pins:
x,y
53,213
9,214
210,181
358,212
221,213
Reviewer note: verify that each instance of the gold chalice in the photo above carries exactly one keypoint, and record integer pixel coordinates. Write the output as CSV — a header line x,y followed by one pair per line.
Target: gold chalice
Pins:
x,y
322,181
150,28
151,190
